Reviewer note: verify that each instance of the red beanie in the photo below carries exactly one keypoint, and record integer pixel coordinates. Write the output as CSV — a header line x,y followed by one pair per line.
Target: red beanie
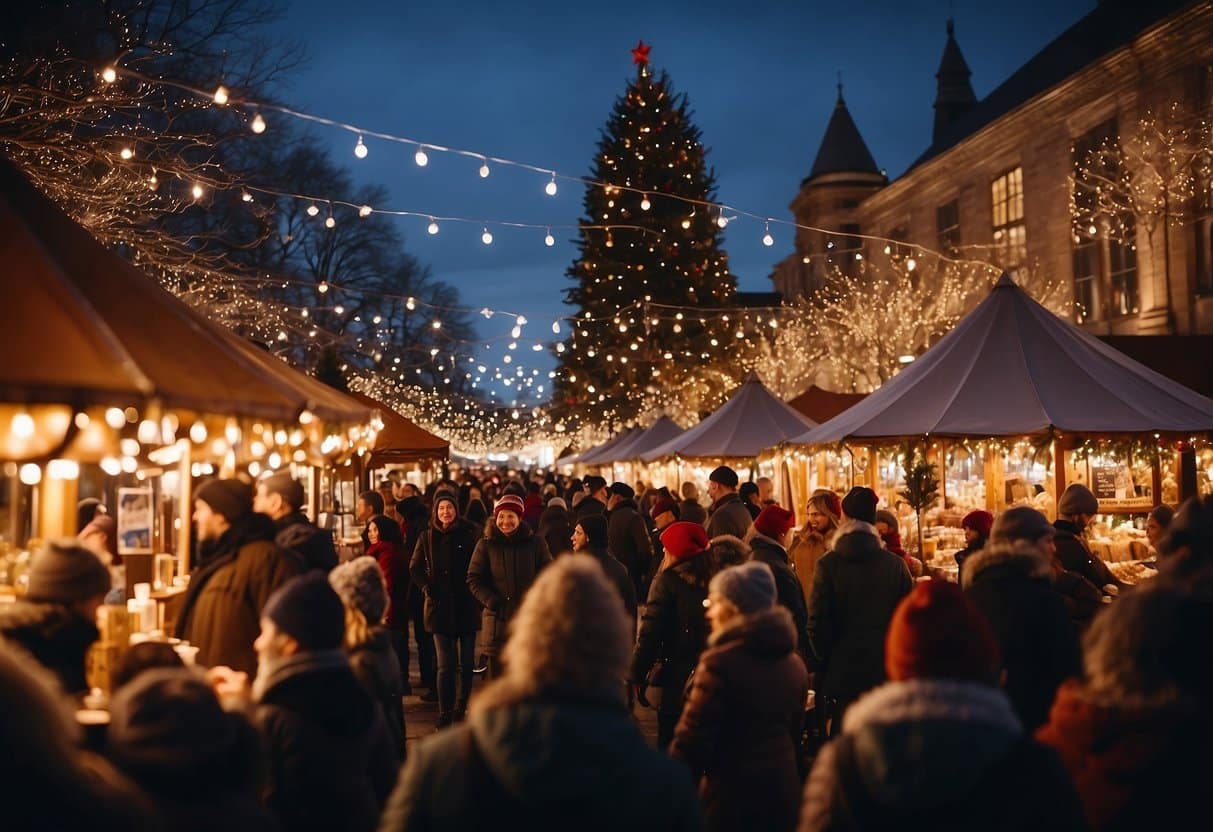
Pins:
x,y
937,633
774,521
509,502
979,521
682,539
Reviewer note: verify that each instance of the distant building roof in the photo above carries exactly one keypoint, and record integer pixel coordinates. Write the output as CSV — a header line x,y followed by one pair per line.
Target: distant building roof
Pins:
x,y
1110,25
843,149
954,92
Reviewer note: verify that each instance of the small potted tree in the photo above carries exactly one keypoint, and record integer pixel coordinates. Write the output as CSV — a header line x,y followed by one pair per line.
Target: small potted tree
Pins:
x,y
921,489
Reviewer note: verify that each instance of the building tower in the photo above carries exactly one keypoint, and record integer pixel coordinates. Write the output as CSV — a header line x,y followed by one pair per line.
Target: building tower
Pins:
x,y
954,92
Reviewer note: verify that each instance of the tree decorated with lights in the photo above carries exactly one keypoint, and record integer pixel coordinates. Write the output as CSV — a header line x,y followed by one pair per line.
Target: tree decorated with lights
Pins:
x,y
662,247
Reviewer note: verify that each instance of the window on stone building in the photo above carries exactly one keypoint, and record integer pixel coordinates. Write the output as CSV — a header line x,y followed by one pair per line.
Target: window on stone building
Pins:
x,y
947,225
1010,234
1086,276
1204,244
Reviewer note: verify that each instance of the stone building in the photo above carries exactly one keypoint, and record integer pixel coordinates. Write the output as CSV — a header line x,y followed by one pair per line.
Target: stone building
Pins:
x,y
996,177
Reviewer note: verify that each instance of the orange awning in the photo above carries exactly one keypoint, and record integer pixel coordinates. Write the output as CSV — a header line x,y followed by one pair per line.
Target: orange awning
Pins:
x,y
402,440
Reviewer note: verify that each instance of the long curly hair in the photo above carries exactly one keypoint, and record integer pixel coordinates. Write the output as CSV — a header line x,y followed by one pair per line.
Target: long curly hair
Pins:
x,y
571,639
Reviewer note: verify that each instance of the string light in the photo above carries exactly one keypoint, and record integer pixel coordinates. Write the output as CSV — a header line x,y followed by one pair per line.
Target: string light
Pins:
x,y
420,157
360,149
109,75
364,211
486,237
432,228
257,125
767,239
550,188
548,239
313,210
484,169
644,203
126,153
221,95
197,191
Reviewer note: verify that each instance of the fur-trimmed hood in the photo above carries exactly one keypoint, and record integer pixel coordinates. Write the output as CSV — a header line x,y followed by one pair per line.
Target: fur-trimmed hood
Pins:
x,y
926,741
25,621
1020,559
520,535
767,633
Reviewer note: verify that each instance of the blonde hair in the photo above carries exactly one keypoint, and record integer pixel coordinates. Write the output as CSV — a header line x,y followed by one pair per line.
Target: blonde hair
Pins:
x,y
357,628
823,504
570,637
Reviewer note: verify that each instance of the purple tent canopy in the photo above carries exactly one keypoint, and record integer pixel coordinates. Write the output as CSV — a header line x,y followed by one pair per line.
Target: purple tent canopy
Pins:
x,y
1013,368
751,421
600,454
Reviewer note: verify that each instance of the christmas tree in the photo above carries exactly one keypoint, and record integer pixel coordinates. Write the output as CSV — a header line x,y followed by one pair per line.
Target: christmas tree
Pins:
x,y
647,239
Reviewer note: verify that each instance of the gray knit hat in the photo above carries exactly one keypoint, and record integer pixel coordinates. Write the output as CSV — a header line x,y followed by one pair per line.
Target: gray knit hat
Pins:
x,y
1077,499
359,583
1020,523
64,572
750,587
230,498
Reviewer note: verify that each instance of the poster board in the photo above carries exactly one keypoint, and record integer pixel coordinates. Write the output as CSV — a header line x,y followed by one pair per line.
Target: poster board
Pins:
x,y
135,521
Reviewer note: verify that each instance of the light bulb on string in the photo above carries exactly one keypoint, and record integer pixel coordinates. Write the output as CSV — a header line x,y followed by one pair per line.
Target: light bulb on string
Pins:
x,y
257,125
550,188
548,239
245,196
767,239
126,153
364,211
313,210
329,221
722,220
322,287
432,228
109,75
555,327
911,264
420,157
644,203
197,191
484,169
221,95
486,237
360,149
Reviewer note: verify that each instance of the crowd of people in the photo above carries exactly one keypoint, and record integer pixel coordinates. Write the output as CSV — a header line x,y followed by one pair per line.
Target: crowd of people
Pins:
x,y
813,677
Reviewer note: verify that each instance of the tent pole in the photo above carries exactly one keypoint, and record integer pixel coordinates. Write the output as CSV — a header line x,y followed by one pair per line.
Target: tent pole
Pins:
x,y
185,502
1059,472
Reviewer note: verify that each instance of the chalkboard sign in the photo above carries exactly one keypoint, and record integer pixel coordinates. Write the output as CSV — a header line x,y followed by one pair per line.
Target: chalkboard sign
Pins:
x,y
1103,482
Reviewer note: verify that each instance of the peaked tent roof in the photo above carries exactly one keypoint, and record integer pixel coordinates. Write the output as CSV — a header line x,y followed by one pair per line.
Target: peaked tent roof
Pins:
x,y
820,404
661,431
402,439
600,454
753,419
1013,368
107,334
843,149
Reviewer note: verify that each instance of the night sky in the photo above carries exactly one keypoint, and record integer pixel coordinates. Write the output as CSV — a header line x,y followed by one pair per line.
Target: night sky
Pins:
x,y
536,81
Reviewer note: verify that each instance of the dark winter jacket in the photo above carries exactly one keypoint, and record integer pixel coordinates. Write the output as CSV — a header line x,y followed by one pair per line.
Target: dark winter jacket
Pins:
x,y
741,725
939,755
692,512
55,636
628,542
856,587
1077,557
728,515
377,667
673,628
440,570
588,505
394,564
791,596
1081,597
532,510
221,613
331,761
313,545
414,520
542,766
1135,766
556,529
1039,650
618,576
502,570
965,554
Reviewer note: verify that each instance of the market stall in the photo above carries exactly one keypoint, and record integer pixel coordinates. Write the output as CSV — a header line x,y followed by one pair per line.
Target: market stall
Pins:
x,y
1011,406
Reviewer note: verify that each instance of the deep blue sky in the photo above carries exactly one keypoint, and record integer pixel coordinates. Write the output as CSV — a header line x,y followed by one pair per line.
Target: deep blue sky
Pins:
x,y
535,82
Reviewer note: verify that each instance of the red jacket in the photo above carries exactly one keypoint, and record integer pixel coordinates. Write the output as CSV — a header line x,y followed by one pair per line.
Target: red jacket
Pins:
x,y
394,564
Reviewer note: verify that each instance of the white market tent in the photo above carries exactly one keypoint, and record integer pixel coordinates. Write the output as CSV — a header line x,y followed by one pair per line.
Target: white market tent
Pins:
x,y
1013,368
601,454
660,432
749,422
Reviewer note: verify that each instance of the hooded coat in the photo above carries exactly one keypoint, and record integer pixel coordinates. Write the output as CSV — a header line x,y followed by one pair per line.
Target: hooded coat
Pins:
x,y
1012,587
542,765
791,597
556,529
940,755
55,636
1135,765
377,668
313,545
728,515
856,588
740,729
221,613
501,571
332,763
628,542
440,569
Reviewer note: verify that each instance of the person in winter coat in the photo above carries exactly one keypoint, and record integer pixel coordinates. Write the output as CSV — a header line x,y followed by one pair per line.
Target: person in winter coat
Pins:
x,y
368,504
976,525
1075,510
727,515
1135,732
505,563
748,492
199,764
550,744
890,534
824,513
280,497
1157,523
938,746
239,568
55,622
1081,597
628,537
556,527
673,631
475,512
331,759
590,537
856,588
740,730
360,586
387,548
770,529
595,498
690,509
414,520
532,505
1011,585
49,781
663,511
452,614
1185,551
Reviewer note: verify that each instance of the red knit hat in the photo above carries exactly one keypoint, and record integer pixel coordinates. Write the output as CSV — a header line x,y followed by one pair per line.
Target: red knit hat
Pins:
x,y
979,521
682,539
661,505
937,633
509,502
774,521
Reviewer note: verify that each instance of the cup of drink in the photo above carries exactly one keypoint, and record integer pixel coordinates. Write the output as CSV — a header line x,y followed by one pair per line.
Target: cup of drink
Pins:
x,y
165,566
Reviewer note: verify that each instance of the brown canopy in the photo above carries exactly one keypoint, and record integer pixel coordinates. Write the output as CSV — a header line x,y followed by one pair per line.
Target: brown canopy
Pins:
x,y
81,326
821,405
402,440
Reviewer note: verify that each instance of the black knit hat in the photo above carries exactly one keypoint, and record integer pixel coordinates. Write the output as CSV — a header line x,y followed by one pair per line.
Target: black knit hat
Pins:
x,y
309,611
622,489
860,504
724,475
287,487
594,483
231,498
64,572
595,528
